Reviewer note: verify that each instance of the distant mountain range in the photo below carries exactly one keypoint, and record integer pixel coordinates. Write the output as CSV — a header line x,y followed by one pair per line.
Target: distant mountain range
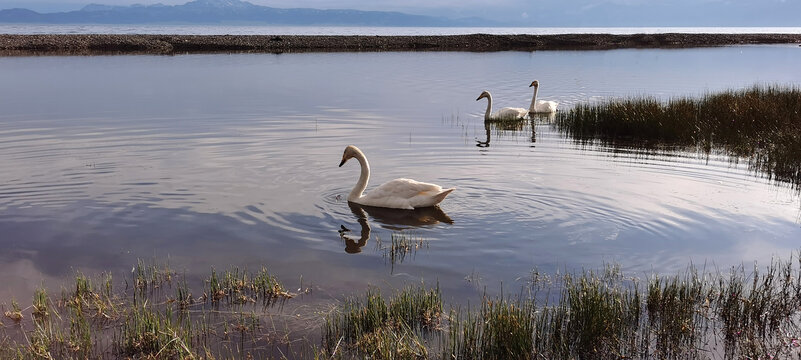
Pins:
x,y
228,12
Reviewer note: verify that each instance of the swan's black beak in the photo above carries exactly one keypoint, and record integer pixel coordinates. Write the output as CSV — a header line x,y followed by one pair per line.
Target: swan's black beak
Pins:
x,y
343,162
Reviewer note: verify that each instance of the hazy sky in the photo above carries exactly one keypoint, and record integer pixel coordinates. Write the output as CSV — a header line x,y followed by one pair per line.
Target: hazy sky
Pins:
x,y
582,12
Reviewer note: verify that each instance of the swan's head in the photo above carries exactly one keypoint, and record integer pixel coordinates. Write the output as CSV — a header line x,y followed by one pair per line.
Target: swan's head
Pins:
x,y
484,94
350,152
534,83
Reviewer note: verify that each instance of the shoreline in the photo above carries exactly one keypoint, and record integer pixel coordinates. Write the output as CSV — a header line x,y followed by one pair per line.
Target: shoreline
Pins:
x,y
109,44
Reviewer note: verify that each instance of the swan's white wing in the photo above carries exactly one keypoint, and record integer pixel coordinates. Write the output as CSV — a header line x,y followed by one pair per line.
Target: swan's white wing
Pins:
x,y
544,106
402,194
510,113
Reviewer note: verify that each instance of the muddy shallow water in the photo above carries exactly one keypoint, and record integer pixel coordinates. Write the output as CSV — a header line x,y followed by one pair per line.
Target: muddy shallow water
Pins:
x,y
219,160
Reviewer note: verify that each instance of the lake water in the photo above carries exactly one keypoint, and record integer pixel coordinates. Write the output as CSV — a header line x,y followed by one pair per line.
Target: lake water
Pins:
x,y
364,30
220,160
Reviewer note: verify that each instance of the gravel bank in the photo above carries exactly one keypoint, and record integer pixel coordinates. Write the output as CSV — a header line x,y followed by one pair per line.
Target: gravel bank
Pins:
x,y
176,44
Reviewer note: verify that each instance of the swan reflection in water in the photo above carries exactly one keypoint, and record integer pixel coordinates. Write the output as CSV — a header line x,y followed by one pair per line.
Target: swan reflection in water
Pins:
x,y
393,219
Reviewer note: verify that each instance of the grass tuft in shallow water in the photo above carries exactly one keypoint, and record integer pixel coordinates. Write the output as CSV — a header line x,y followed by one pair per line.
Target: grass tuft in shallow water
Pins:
x,y
593,316
91,321
146,333
40,308
502,329
240,286
603,315
370,325
401,245
760,315
677,308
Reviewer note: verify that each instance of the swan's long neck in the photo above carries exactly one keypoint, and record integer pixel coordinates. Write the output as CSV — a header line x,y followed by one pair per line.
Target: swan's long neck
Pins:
x,y
357,191
533,99
489,108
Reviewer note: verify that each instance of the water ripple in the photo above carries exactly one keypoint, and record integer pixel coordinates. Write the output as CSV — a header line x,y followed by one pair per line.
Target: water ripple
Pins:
x,y
238,154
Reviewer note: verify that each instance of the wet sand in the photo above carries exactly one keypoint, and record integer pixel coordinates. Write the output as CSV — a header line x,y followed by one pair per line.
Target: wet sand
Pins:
x,y
178,44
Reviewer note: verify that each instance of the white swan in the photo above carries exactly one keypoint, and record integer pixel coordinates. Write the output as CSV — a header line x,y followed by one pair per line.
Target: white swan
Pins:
x,y
540,106
503,113
396,194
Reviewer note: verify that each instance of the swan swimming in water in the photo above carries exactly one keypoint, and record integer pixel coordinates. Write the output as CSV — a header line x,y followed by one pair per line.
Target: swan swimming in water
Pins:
x,y
503,113
540,106
397,194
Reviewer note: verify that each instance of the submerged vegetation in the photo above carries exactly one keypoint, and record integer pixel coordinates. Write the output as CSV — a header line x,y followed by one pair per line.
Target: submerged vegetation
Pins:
x,y
761,123
592,314
146,320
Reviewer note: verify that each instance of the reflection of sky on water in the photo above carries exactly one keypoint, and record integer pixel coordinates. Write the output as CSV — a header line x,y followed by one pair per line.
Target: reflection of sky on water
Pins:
x,y
232,159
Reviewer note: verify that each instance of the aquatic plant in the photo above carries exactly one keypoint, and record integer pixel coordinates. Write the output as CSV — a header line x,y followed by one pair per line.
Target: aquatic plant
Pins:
x,y
602,314
760,123
501,330
148,333
91,321
40,303
15,314
370,325
401,245
240,286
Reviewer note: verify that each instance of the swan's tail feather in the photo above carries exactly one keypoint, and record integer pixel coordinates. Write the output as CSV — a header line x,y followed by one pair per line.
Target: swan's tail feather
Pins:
x,y
441,196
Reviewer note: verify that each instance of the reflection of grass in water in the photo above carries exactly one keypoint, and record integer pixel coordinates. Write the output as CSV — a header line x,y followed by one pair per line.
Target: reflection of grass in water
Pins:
x,y
589,314
401,244
761,123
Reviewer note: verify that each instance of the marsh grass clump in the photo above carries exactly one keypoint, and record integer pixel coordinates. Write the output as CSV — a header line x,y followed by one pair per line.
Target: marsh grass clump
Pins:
x,y
373,326
147,279
602,316
402,342
606,316
91,321
417,307
760,316
15,314
40,304
739,119
146,333
502,329
240,286
761,123
400,246
594,316
677,308
97,303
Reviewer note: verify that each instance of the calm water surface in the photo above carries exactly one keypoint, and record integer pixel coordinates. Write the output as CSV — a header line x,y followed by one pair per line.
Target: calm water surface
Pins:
x,y
219,160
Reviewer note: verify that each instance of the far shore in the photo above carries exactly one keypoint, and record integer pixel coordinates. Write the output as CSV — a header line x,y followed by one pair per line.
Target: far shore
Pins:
x,y
104,44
